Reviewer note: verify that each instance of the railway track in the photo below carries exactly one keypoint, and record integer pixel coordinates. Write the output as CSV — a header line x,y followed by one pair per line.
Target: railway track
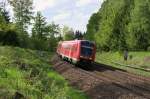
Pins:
x,y
123,79
137,84
124,83
104,82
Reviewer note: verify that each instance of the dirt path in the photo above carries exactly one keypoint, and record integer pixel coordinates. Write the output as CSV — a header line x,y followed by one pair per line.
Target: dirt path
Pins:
x,y
104,82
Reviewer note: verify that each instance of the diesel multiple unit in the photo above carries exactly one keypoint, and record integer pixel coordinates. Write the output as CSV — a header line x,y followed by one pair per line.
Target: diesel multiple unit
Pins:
x,y
77,50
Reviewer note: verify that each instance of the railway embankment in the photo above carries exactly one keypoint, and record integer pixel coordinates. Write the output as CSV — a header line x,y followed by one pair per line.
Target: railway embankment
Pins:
x,y
100,81
28,74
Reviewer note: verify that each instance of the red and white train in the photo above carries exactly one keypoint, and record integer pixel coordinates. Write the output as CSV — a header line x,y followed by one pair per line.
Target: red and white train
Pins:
x,y
77,51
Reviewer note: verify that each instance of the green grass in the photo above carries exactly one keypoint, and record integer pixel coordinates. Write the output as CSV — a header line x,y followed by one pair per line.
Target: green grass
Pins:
x,y
139,60
30,74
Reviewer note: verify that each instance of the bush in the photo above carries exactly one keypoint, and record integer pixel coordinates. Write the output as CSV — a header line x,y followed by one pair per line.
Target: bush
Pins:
x,y
10,38
38,44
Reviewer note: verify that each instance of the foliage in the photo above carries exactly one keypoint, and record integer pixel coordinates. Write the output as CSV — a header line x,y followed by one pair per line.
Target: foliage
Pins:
x,y
38,44
78,35
2,19
9,37
136,59
44,36
53,30
8,33
22,13
121,24
39,27
29,74
138,27
4,11
68,33
92,26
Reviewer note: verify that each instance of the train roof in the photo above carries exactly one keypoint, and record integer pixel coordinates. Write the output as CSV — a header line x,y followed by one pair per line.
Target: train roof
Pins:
x,y
76,41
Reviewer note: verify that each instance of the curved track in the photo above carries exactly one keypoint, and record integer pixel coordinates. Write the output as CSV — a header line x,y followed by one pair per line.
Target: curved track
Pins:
x,y
104,82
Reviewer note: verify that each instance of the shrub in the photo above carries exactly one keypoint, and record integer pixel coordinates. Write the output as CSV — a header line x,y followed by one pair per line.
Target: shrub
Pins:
x,y
9,37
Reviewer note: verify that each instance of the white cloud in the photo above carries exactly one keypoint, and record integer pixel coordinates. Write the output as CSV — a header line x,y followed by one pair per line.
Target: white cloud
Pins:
x,y
62,16
41,5
80,21
83,2
75,20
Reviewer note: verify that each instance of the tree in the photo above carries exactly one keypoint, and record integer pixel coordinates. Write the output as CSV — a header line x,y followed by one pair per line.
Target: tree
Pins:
x,y
44,36
117,38
10,37
92,26
115,26
78,35
22,13
138,28
121,24
8,34
53,30
53,36
39,27
4,12
68,33
2,20
4,17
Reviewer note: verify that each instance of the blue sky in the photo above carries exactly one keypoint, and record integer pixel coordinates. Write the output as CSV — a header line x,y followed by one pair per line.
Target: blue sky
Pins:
x,y
73,13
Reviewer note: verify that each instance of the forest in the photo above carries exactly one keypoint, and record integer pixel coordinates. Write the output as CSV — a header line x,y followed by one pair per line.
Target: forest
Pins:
x,y
118,25
42,36
121,25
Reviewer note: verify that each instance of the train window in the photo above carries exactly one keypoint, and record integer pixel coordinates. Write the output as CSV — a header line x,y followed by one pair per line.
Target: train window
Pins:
x,y
87,52
87,43
87,48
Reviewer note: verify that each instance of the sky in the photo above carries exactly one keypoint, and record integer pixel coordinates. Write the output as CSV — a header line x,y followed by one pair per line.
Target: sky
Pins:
x,y
73,13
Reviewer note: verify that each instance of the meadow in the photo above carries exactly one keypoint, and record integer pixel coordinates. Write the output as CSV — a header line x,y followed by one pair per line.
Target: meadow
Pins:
x,y
29,74
137,61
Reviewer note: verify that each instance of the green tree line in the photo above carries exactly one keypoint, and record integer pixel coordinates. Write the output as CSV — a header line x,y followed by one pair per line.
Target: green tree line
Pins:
x,y
120,25
43,35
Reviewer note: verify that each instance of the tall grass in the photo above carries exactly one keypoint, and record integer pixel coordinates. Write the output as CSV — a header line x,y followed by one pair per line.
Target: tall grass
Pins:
x,y
136,59
28,74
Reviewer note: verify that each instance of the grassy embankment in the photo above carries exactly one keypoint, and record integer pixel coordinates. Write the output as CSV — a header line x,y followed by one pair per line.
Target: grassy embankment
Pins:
x,y
28,74
139,60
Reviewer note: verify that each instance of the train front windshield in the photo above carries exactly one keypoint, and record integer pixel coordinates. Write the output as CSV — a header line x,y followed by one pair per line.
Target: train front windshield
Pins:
x,y
87,48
